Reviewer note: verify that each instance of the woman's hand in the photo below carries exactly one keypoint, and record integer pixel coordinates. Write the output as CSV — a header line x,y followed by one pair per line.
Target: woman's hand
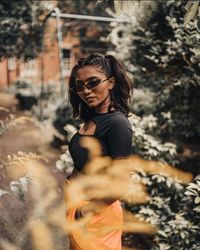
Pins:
x,y
78,214
84,210
94,207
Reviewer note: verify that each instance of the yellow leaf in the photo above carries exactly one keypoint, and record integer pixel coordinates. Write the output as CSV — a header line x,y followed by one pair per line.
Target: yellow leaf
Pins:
x,y
191,12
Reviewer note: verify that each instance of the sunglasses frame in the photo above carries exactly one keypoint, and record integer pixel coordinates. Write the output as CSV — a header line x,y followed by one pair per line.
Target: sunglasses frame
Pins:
x,y
74,89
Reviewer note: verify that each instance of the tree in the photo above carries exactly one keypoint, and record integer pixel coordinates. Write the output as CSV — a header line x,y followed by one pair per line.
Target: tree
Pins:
x,y
21,28
164,57
174,208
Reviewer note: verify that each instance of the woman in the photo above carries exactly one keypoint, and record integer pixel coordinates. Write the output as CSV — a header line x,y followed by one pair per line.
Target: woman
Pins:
x,y
99,92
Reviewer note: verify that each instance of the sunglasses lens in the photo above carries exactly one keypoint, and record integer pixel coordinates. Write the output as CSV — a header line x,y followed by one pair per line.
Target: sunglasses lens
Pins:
x,y
90,85
79,86
93,83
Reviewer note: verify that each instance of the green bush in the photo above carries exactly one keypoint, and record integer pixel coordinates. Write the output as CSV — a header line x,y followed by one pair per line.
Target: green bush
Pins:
x,y
174,208
63,117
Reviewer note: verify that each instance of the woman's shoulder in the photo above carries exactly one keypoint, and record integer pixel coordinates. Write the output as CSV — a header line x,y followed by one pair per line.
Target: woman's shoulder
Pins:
x,y
112,123
119,119
118,115
113,119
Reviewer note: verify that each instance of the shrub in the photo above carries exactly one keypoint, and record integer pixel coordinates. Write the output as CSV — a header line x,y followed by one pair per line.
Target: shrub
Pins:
x,y
174,208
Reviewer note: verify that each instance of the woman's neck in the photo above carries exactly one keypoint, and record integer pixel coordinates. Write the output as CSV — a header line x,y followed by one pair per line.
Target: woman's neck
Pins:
x,y
103,107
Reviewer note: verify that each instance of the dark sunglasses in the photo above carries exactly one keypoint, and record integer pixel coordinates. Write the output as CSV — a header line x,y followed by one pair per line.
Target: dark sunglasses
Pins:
x,y
80,85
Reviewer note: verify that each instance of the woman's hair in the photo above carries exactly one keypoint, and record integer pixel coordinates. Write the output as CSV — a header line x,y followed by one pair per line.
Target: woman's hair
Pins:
x,y
120,93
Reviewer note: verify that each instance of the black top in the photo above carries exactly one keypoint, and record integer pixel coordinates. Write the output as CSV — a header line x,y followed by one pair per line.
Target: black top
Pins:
x,y
114,132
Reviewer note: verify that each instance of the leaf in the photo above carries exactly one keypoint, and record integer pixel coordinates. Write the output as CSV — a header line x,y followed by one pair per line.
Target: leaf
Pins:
x,y
197,209
197,200
198,23
182,235
190,193
188,5
162,233
192,186
191,12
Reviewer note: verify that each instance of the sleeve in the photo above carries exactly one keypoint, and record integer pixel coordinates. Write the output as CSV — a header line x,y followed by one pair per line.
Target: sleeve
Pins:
x,y
119,138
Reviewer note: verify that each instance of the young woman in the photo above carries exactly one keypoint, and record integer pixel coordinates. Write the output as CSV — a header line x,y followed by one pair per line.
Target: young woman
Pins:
x,y
99,92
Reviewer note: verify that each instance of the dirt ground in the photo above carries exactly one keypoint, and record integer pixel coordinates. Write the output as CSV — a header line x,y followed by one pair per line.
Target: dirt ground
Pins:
x,y
34,137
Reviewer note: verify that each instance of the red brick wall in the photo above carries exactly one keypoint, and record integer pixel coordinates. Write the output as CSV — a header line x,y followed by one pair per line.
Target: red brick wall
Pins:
x,y
3,74
50,60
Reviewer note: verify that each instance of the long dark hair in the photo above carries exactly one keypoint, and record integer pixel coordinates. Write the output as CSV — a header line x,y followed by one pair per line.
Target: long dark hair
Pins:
x,y
120,94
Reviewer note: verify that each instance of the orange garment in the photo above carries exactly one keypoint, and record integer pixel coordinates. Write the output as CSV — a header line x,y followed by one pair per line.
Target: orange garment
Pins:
x,y
95,237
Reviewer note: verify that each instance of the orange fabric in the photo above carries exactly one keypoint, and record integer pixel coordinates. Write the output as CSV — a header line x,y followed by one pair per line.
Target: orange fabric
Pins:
x,y
94,235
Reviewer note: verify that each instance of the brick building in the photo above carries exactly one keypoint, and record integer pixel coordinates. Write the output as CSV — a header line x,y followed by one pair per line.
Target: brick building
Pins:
x,y
12,69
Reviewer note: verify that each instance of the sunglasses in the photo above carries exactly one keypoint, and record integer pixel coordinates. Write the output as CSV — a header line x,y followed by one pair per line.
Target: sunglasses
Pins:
x,y
80,85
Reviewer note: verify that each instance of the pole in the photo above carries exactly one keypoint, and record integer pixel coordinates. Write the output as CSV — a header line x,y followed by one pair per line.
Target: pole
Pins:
x,y
60,40
42,72
93,18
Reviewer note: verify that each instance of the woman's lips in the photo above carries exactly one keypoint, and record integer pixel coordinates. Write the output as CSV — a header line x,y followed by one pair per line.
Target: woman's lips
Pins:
x,y
89,98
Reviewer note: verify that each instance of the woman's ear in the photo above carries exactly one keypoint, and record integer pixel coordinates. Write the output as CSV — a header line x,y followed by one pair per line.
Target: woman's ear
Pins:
x,y
111,82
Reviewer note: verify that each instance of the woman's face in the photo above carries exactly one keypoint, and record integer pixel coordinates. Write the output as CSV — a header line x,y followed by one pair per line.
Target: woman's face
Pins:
x,y
99,96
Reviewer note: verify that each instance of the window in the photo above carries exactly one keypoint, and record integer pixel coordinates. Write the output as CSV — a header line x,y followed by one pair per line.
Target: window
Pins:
x,y
29,69
12,64
66,61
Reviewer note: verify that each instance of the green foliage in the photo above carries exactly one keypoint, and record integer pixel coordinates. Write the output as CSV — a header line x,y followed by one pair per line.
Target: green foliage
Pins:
x,y
149,146
21,29
163,57
63,117
26,93
174,208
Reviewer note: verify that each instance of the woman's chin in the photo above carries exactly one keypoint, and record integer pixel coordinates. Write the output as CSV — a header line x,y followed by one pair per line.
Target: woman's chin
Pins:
x,y
91,105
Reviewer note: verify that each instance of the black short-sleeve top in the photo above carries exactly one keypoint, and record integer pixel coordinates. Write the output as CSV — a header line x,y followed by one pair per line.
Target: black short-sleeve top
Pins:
x,y
114,132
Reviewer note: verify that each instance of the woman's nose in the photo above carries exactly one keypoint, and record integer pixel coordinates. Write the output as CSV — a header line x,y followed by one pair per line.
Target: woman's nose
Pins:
x,y
86,90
